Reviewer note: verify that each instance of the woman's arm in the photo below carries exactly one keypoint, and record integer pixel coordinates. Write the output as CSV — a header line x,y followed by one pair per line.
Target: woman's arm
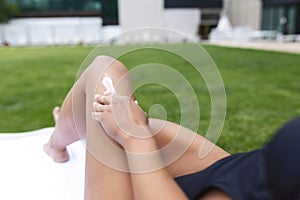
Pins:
x,y
157,183
126,123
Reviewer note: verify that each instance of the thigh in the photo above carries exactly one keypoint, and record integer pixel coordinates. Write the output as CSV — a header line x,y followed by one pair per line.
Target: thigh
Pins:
x,y
104,182
175,140
103,179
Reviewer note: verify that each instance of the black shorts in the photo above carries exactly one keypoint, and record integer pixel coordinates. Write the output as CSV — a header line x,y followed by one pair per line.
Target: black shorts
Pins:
x,y
272,172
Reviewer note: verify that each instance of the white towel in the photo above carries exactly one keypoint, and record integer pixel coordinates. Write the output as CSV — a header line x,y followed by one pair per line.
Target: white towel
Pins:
x,y
26,172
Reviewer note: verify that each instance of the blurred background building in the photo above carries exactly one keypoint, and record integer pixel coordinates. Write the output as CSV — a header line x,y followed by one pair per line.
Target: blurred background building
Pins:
x,y
48,22
282,16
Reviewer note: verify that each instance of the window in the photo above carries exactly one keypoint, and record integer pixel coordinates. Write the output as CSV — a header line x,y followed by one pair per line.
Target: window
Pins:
x,y
280,18
59,5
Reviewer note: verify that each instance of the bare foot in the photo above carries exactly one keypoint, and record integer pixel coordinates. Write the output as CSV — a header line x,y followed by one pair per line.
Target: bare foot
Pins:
x,y
58,155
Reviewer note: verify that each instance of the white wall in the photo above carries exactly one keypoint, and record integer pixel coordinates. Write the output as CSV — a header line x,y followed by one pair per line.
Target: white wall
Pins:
x,y
244,12
185,21
140,13
135,14
47,31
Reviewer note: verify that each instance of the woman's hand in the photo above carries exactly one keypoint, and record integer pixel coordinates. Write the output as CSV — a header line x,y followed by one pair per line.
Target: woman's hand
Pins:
x,y
120,117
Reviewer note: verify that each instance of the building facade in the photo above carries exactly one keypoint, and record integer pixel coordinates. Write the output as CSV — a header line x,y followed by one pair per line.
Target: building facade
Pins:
x,y
282,16
109,10
190,17
58,8
209,13
105,18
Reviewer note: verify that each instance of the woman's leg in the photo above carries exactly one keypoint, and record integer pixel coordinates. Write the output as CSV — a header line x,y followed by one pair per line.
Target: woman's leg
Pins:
x,y
71,125
65,132
189,162
101,180
75,122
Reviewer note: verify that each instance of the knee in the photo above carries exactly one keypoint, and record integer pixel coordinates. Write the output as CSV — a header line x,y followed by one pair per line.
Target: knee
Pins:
x,y
103,59
104,65
109,64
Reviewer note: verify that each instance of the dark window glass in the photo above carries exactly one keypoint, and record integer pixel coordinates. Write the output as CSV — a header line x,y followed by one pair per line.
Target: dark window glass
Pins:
x,y
193,3
279,2
59,5
110,12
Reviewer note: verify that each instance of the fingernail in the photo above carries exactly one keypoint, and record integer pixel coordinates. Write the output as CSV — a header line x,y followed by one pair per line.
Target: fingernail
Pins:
x,y
95,104
96,96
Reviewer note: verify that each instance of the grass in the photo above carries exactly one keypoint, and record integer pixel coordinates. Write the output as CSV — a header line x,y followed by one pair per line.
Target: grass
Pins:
x,y
262,88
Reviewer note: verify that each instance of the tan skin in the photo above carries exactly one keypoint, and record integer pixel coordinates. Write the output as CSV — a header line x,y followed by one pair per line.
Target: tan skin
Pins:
x,y
74,119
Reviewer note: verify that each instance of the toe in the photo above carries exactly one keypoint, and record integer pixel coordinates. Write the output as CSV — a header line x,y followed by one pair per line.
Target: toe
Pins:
x,y
55,113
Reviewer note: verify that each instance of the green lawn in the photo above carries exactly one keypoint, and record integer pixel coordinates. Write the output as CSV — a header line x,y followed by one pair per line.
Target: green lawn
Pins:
x,y
262,88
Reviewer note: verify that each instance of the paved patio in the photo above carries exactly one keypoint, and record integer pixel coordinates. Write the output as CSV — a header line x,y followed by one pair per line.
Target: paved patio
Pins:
x,y
291,47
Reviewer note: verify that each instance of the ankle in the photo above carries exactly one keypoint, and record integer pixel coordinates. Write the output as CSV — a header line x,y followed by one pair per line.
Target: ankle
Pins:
x,y
55,145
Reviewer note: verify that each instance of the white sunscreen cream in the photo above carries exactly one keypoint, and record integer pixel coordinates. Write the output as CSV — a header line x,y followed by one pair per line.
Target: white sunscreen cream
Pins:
x,y
108,84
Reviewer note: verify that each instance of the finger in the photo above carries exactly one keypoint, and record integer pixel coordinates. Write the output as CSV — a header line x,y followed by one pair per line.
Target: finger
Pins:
x,y
97,116
106,100
101,108
97,97
97,106
103,99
